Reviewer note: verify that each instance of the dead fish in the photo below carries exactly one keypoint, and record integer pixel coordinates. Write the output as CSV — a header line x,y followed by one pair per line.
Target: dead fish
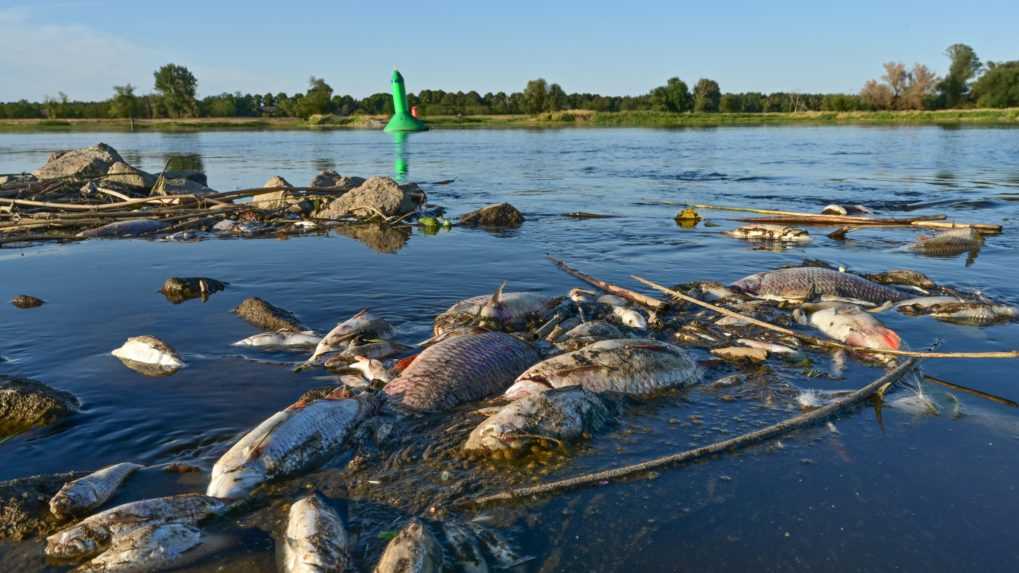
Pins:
x,y
628,366
853,326
612,300
629,317
231,227
949,243
147,548
129,228
316,540
94,533
561,415
903,277
511,311
89,492
461,369
801,283
769,347
282,339
464,549
713,291
973,313
25,301
836,209
371,369
288,442
380,349
583,295
921,304
764,232
413,550
587,333
364,323
149,350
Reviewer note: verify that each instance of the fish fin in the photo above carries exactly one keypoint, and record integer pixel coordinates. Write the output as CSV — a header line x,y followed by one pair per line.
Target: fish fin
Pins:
x,y
891,338
403,363
497,295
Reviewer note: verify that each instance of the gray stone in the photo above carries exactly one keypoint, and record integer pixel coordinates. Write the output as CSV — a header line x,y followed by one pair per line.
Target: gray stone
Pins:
x,y
275,200
79,163
267,316
498,215
166,187
121,173
26,403
331,178
376,196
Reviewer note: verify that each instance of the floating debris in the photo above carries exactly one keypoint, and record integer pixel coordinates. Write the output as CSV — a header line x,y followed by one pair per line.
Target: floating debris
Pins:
x,y
764,232
25,301
149,350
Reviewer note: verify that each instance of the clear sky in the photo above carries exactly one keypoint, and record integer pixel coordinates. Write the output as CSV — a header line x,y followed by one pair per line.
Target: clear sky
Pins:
x,y
83,48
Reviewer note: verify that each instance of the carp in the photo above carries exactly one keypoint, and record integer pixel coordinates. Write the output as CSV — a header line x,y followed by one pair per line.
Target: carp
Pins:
x,y
315,540
89,492
801,283
505,309
949,243
973,313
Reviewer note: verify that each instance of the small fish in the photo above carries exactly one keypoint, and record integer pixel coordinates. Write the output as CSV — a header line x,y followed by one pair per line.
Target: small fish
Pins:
x,y
801,283
629,317
371,368
380,349
461,369
919,305
949,243
583,295
903,277
231,227
290,441
149,350
364,323
511,311
563,414
587,333
973,313
93,534
281,339
853,326
129,228
413,550
147,548
613,300
89,492
713,291
770,347
627,366
836,209
764,232
316,541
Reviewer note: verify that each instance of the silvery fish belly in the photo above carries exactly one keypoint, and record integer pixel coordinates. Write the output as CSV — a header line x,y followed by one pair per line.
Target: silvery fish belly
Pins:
x,y
364,323
800,283
94,533
149,350
461,369
147,548
763,232
628,366
89,492
304,339
854,326
288,442
413,550
316,540
131,228
563,414
587,333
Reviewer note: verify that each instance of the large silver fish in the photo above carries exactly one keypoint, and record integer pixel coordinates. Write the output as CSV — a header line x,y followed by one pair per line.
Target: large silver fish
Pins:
x,y
502,310
854,326
95,533
800,283
290,441
147,548
364,324
461,369
413,550
563,414
316,541
89,492
627,366
949,243
129,228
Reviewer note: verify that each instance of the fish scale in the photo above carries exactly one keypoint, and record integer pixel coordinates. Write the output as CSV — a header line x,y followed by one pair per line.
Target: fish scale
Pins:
x,y
461,369
802,282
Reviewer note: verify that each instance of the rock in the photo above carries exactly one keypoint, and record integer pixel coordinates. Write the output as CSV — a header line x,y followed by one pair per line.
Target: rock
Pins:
x,y
79,163
498,215
121,173
181,186
24,505
376,196
331,178
196,176
272,200
180,289
27,301
26,403
738,354
267,317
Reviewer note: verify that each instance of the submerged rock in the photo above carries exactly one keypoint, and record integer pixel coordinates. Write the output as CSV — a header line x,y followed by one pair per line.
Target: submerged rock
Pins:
x,y
180,289
330,178
24,509
123,174
79,163
376,196
267,316
27,301
498,215
166,186
26,403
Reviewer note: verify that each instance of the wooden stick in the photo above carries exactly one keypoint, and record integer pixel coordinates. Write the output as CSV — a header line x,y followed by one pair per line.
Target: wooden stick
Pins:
x,y
96,207
973,391
790,217
633,296
818,341
783,427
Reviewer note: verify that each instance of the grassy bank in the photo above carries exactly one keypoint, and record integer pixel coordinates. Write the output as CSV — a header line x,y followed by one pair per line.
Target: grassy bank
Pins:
x,y
572,118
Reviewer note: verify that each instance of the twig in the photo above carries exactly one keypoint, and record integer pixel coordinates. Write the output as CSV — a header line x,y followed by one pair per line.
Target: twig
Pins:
x,y
818,341
972,391
789,217
633,296
785,426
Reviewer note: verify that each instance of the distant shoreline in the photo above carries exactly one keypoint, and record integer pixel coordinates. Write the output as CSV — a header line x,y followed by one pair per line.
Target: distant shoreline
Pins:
x,y
560,119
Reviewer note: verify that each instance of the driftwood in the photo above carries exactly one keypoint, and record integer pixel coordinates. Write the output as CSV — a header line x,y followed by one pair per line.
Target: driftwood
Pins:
x,y
774,430
633,296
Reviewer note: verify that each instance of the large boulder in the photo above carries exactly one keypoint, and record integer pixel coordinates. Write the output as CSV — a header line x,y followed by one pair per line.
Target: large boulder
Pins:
x,y
24,505
26,403
267,316
330,178
276,200
376,196
121,173
166,186
79,163
498,215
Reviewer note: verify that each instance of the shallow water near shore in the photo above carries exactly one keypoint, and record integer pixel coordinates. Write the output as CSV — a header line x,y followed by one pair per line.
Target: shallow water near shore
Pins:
x,y
888,490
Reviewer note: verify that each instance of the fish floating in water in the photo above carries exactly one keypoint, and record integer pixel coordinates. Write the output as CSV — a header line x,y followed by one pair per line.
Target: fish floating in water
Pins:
x,y
95,533
627,366
89,492
973,313
315,540
836,209
461,369
765,232
563,414
854,326
281,339
801,283
505,310
950,243
449,546
288,442
149,350
362,324
903,277
129,228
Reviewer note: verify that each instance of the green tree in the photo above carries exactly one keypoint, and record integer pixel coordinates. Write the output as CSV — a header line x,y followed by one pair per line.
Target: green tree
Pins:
x,y
125,104
534,96
318,98
998,86
706,96
731,103
677,95
965,65
555,99
177,87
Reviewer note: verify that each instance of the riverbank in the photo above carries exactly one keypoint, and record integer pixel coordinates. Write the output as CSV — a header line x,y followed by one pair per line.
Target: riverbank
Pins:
x,y
570,118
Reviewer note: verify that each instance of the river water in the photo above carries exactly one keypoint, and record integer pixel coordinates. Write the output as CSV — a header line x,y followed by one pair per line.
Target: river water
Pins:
x,y
888,490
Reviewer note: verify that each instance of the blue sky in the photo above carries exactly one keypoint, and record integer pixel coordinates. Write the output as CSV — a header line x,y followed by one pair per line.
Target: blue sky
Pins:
x,y
85,47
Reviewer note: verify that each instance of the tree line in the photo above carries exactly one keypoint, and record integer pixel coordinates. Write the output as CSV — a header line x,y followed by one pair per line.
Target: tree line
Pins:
x,y
968,83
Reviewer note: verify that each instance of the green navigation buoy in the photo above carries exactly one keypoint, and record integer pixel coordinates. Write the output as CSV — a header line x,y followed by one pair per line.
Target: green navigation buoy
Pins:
x,y
402,120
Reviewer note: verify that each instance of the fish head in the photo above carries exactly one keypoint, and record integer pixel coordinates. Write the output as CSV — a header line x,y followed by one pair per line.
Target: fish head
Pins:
x,y
236,483
494,314
877,337
523,388
749,284
634,319
78,542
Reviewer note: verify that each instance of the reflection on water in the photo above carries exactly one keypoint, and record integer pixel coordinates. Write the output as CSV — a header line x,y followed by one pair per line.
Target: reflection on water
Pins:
x,y
380,238
401,167
184,162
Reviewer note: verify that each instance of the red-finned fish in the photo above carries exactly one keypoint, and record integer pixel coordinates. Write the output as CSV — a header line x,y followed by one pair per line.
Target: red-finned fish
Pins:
x,y
854,326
